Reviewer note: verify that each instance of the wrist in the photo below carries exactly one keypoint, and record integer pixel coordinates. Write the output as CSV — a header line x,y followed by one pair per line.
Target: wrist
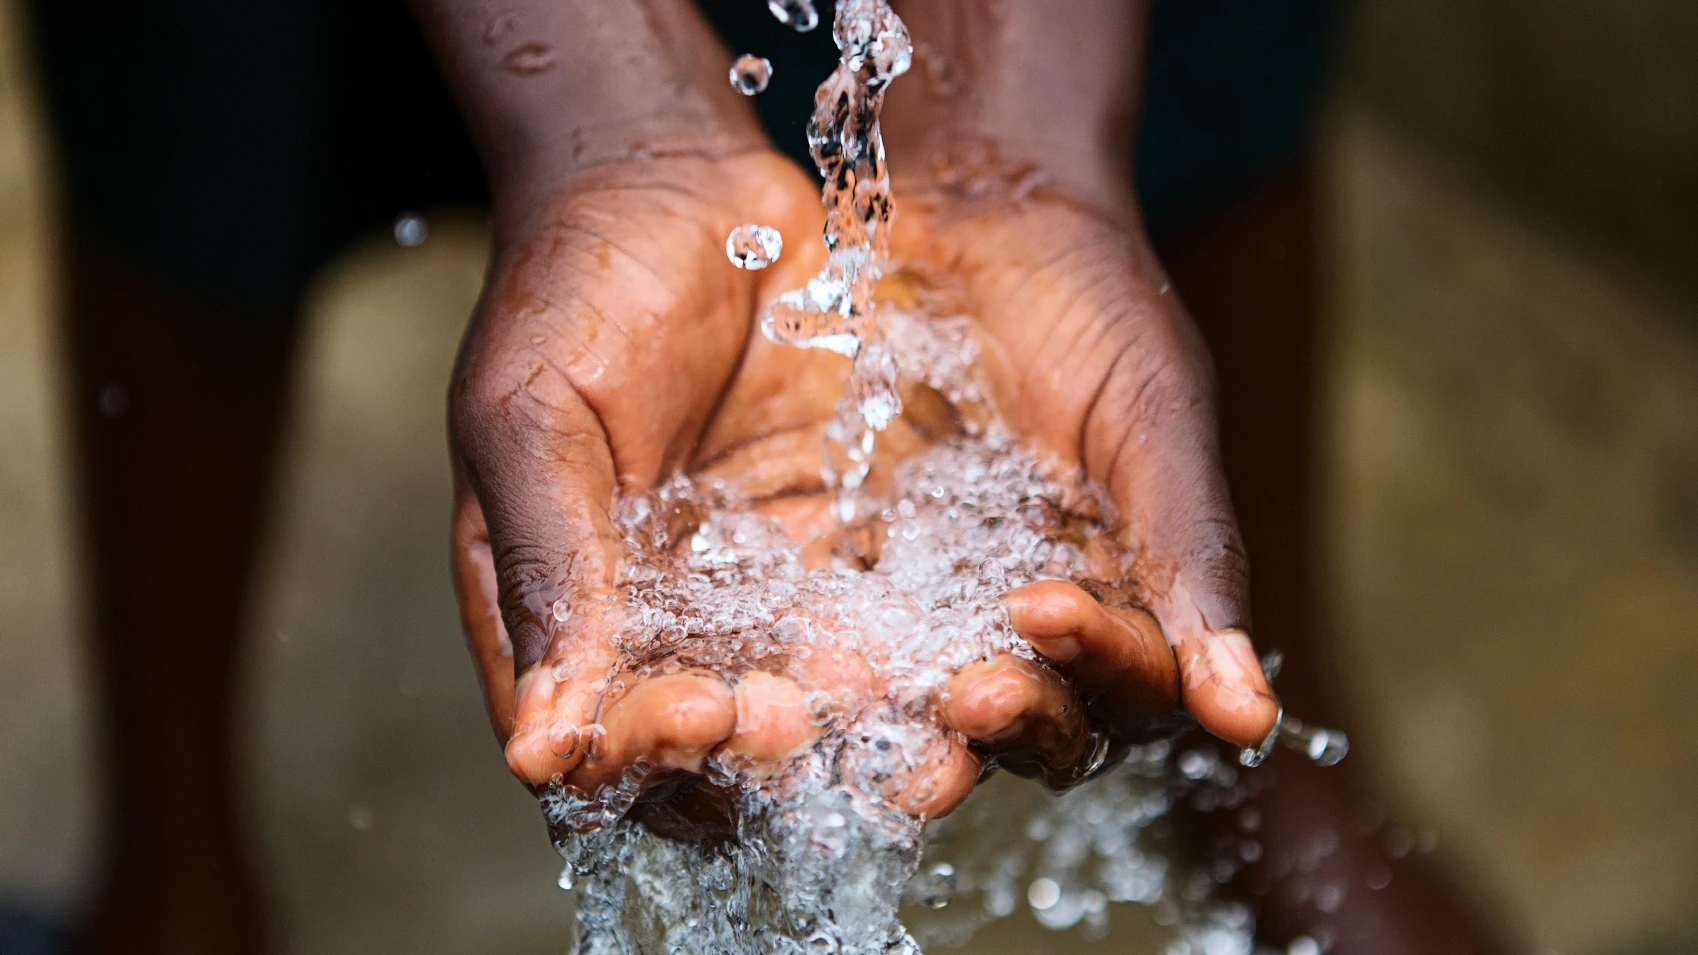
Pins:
x,y
1038,95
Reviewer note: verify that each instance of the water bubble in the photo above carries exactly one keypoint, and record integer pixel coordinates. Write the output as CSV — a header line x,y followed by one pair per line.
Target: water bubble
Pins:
x,y
799,14
752,247
563,739
410,230
750,74
561,611
1043,894
594,740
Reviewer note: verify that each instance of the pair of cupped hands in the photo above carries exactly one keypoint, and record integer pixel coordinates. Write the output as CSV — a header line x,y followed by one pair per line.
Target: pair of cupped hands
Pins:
x,y
615,344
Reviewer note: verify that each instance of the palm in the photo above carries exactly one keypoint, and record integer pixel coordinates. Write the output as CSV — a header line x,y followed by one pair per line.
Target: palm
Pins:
x,y
615,344
1113,379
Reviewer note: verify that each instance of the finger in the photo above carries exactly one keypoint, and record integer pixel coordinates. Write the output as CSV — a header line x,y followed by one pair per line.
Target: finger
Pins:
x,y
480,615
1025,714
1151,438
942,782
538,465
1117,659
671,721
774,720
554,724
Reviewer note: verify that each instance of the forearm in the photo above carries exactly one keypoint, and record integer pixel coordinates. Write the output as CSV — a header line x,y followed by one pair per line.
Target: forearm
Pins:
x,y
551,87
1046,87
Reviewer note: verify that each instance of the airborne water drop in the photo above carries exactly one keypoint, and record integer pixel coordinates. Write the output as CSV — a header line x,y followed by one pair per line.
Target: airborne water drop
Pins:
x,y
752,247
750,74
799,14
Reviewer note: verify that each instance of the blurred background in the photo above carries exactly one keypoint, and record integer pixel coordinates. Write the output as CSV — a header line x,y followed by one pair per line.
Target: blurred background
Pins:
x,y
1512,513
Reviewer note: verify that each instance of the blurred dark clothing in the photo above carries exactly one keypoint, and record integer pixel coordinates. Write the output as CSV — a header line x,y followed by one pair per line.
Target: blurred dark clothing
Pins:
x,y
231,148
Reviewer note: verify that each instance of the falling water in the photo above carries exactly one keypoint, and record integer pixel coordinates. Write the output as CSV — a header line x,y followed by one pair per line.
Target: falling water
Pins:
x,y
821,861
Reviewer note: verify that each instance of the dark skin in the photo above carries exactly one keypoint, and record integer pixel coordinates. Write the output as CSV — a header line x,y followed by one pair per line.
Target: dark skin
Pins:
x,y
608,257
172,486
612,345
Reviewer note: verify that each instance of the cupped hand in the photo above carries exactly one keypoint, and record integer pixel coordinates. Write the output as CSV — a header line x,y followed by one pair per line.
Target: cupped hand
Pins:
x,y
614,343
1093,360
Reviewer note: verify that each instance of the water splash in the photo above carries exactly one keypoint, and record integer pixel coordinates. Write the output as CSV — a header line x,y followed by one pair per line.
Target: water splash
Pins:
x,y
821,862
753,247
836,310
750,74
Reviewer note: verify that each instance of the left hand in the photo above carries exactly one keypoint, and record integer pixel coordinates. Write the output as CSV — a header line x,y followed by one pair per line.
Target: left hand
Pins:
x,y
1093,360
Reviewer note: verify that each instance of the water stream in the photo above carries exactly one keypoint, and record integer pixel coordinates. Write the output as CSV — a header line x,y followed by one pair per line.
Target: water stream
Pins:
x,y
822,862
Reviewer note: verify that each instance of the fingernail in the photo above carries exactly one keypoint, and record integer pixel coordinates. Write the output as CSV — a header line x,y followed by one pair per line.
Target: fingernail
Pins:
x,y
1239,658
1059,649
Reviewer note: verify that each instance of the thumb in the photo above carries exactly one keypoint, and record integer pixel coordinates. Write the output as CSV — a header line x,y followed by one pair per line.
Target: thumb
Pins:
x,y
1154,435
538,469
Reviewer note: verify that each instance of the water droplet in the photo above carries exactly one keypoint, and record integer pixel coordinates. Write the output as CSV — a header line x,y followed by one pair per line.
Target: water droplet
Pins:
x,y
937,885
799,14
750,74
528,59
594,738
752,247
411,230
561,610
567,877
563,739
1323,746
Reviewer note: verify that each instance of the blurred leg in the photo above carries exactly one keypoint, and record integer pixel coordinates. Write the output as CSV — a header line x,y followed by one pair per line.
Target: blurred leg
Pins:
x,y
175,406
1251,275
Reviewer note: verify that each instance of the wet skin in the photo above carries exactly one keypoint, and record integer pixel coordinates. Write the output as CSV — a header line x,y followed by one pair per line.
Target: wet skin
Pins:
x,y
615,343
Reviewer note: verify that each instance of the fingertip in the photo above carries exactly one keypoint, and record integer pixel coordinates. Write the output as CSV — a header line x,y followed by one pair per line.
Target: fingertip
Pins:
x,y
690,715
1050,614
773,718
1226,690
532,759
988,702
943,783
